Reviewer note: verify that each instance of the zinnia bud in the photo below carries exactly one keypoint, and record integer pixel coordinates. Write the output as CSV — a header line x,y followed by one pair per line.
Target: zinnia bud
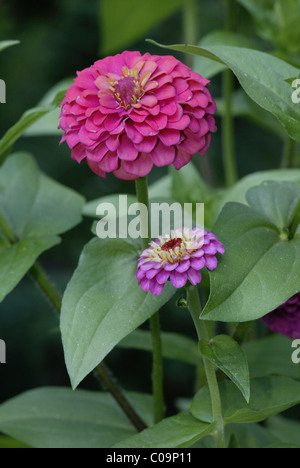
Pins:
x,y
179,257
286,318
129,112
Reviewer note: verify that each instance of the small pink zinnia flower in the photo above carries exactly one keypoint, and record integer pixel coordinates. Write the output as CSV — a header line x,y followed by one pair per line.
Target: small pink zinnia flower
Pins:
x,y
286,318
129,112
179,257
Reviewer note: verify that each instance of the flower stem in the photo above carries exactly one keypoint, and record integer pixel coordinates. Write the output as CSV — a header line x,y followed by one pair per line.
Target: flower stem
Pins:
x,y
190,26
288,160
42,281
157,371
195,310
230,169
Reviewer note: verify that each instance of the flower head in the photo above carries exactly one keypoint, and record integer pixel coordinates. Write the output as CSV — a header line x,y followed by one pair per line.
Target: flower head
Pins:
x,y
129,112
179,257
286,318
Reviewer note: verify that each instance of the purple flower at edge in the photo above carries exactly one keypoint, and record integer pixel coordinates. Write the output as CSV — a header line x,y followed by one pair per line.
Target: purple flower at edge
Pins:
x,y
179,257
286,318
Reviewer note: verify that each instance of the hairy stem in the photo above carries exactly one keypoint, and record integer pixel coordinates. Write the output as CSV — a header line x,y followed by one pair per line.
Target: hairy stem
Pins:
x,y
195,310
229,157
289,154
157,370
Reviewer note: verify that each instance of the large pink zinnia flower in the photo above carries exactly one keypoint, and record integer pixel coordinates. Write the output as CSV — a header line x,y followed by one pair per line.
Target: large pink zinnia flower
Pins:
x,y
179,257
129,112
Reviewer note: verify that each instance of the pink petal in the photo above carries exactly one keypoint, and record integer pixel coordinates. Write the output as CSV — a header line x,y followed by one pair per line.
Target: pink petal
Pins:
x,y
140,274
145,129
126,149
109,163
122,174
165,92
149,101
84,137
162,277
140,167
181,124
112,143
133,134
111,122
169,137
72,140
145,284
211,262
108,101
98,153
180,85
178,279
178,114
169,109
151,273
198,263
192,144
158,122
137,117
78,153
206,146
163,155
170,266
182,158
194,276
156,288
184,266
102,83
147,145
96,169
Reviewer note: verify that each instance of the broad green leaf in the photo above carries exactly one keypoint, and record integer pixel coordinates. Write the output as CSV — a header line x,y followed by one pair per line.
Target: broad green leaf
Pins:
x,y
179,431
277,201
5,44
60,418
227,355
271,356
103,304
269,396
48,124
123,23
242,287
286,430
238,192
28,119
174,346
243,106
261,75
251,435
8,442
209,68
37,210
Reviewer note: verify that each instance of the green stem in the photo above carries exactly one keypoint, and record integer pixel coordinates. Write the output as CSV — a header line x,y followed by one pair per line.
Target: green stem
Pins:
x,y
288,160
195,310
157,371
230,169
40,278
190,26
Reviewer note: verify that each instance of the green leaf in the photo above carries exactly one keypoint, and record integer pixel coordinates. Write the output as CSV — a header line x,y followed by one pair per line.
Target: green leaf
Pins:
x,y
5,44
227,355
210,68
271,356
179,431
242,287
103,304
123,23
269,396
250,435
174,346
261,75
238,192
8,442
37,210
29,118
285,430
61,418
